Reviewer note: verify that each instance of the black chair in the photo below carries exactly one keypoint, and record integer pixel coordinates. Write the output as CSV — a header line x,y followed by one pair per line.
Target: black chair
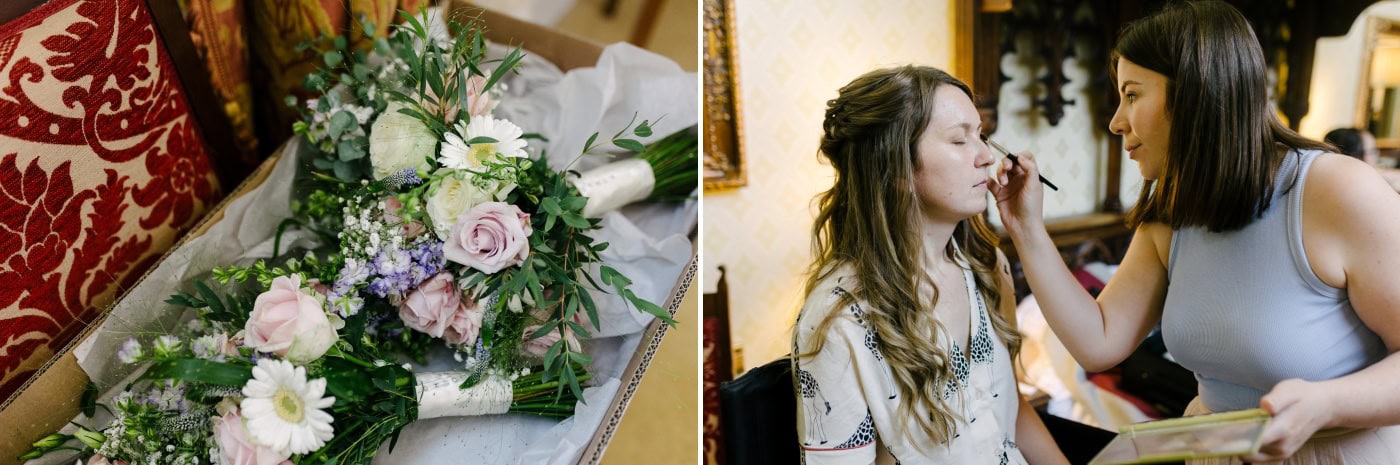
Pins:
x,y
758,412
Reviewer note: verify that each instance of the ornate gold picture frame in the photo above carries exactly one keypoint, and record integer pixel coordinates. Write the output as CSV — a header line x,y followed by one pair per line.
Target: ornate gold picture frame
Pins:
x,y
724,136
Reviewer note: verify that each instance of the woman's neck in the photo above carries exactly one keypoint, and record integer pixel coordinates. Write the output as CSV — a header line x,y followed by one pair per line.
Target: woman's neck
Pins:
x,y
935,237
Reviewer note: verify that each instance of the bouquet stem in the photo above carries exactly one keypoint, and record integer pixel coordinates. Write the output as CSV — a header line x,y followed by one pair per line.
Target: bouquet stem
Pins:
x,y
673,160
664,171
441,395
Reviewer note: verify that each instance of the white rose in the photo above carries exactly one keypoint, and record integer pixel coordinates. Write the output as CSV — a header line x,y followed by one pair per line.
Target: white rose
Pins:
x,y
455,196
398,142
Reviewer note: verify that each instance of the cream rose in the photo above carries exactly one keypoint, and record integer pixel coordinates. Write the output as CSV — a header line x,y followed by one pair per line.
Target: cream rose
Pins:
x,y
455,196
489,237
290,322
398,142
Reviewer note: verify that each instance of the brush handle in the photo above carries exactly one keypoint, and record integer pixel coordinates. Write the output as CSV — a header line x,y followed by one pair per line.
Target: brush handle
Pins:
x,y
1047,182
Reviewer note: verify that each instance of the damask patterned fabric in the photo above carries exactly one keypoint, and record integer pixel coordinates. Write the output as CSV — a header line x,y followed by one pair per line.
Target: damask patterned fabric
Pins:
x,y
102,167
255,59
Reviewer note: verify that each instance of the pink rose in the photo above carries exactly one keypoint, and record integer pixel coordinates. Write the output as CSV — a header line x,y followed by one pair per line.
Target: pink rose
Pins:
x,y
99,459
429,309
539,346
289,322
238,449
392,205
466,323
489,237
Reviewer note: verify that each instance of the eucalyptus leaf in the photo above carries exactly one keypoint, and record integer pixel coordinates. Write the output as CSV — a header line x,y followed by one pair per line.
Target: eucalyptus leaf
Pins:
x,y
332,58
630,144
341,122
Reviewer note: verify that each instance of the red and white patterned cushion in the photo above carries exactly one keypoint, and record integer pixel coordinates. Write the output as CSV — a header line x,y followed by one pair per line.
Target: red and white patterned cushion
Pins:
x,y
102,167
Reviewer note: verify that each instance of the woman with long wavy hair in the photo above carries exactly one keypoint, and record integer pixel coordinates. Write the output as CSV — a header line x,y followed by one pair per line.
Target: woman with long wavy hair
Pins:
x,y
903,350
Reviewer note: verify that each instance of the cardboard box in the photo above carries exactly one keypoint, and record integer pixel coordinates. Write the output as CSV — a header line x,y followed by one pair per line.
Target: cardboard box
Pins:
x,y
51,398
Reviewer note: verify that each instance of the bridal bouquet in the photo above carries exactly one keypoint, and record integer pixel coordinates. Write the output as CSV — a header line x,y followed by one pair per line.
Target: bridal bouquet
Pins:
x,y
431,225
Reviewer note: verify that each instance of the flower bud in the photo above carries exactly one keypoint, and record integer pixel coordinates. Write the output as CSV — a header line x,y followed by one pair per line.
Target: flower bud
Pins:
x,y
51,441
90,438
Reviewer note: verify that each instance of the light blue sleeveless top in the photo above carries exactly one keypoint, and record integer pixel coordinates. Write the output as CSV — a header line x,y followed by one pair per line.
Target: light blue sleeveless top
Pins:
x,y
1244,309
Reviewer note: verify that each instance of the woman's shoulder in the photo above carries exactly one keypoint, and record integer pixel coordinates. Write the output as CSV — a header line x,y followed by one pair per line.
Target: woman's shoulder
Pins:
x,y
1346,204
1346,187
833,293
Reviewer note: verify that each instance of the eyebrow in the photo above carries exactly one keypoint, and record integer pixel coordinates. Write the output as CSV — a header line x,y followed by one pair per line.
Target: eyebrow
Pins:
x,y
964,126
1124,87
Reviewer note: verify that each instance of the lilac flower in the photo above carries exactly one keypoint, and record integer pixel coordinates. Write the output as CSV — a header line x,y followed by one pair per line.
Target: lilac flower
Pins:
x,y
353,272
170,397
381,287
391,262
130,351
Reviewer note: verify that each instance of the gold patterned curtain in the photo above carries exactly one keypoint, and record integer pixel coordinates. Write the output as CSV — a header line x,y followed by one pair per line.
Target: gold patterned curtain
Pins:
x,y
251,50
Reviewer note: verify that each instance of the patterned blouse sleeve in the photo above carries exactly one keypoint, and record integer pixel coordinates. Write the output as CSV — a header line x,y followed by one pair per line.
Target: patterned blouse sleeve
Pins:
x,y
834,421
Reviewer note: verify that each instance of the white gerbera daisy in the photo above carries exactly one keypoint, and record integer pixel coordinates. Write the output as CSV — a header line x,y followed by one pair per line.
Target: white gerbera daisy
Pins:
x,y
458,154
284,410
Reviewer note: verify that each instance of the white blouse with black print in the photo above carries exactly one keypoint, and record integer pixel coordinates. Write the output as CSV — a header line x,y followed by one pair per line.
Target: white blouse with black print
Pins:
x,y
847,398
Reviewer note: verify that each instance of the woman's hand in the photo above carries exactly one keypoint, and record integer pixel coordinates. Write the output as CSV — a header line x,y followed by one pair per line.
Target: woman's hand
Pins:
x,y
1019,195
1300,408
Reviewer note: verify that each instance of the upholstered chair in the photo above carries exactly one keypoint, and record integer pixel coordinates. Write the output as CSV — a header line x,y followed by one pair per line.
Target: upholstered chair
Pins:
x,y
109,152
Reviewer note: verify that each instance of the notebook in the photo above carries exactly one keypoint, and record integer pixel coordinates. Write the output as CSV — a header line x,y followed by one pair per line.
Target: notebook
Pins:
x,y
1225,434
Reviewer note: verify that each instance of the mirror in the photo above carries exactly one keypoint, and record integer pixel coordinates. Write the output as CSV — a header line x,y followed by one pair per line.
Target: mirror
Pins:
x,y
1379,110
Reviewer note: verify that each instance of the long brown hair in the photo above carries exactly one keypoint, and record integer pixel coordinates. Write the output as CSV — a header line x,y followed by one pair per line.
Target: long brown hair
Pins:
x,y
867,225
1227,143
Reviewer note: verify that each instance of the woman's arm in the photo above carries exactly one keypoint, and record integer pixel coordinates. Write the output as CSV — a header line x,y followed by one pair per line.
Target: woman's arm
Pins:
x,y
1101,333
1034,440
1351,236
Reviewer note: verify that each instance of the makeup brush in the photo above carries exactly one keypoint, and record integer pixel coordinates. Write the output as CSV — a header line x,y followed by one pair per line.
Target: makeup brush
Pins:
x,y
1012,156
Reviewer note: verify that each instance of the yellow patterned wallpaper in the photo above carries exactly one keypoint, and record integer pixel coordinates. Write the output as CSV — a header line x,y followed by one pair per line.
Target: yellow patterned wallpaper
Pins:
x,y
793,56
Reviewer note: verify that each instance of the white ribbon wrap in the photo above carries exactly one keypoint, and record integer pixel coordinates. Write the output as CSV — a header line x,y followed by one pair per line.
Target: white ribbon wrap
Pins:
x,y
440,395
614,185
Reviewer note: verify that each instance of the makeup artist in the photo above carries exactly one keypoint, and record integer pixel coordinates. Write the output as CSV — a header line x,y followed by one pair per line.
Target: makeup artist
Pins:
x,y
1270,263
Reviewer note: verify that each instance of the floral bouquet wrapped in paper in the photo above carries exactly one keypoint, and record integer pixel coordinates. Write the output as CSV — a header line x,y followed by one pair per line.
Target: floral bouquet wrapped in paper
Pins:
x,y
423,223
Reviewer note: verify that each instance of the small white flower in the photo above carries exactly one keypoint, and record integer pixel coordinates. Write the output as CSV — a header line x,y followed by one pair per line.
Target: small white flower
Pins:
x,y
167,345
284,410
130,351
457,154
